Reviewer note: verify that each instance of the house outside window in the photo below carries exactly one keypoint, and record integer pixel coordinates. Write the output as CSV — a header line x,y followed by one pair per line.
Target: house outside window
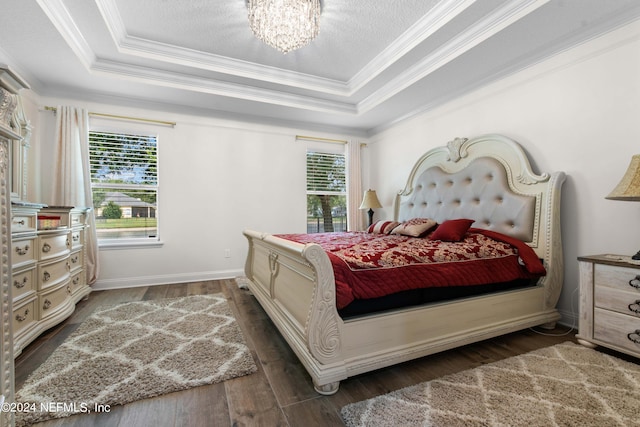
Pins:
x,y
326,189
124,184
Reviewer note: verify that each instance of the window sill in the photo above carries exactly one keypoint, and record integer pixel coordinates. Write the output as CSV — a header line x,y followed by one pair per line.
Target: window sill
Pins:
x,y
129,244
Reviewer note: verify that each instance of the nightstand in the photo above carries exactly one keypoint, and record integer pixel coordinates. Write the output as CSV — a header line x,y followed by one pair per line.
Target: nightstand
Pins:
x,y
610,303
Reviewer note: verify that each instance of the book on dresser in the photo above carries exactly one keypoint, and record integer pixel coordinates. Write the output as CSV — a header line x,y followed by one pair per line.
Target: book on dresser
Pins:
x,y
47,261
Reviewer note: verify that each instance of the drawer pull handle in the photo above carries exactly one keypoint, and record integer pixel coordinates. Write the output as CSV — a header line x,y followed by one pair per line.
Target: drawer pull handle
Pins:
x,y
46,304
22,251
20,222
18,284
634,336
22,318
76,280
46,248
635,282
635,307
46,276
76,238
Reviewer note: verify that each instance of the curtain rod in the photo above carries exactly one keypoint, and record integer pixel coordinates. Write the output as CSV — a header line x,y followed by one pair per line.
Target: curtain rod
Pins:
x,y
314,138
113,116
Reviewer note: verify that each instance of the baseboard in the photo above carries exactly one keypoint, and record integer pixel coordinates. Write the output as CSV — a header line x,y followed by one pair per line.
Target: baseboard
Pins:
x,y
569,319
134,282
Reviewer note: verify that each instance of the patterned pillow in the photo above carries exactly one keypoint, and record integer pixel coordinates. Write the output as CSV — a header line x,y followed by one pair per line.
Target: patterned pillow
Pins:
x,y
415,227
382,227
452,230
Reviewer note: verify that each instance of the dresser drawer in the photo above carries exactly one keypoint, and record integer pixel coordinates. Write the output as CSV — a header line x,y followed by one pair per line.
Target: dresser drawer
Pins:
x,y
23,282
24,315
52,273
75,260
23,222
23,252
77,239
53,245
77,219
617,329
77,281
50,302
623,278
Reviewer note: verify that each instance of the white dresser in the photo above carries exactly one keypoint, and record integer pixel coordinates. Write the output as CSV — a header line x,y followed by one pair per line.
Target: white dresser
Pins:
x,y
48,276
610,303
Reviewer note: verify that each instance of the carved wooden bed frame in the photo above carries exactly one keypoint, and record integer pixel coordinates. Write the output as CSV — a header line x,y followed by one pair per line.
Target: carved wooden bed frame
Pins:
x,y
294,283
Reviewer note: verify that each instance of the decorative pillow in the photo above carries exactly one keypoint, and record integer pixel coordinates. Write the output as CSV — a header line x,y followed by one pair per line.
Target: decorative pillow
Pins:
x,y
382,227
415,227
452,230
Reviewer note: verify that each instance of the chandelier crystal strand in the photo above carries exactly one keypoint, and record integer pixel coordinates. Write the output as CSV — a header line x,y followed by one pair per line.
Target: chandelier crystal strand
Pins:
x,y
285,24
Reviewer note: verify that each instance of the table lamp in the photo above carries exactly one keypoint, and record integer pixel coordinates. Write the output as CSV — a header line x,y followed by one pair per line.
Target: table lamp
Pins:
x,y
370,201
629,187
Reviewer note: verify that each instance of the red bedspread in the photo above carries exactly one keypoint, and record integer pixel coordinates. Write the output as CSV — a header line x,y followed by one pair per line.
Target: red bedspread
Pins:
x,y
368,265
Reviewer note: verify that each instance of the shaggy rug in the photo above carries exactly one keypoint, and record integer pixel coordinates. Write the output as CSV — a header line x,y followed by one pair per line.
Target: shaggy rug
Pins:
x,y
137,350
563,385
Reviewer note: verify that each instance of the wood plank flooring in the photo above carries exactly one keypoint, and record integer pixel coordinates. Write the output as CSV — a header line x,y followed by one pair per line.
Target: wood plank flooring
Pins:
x,y
280,393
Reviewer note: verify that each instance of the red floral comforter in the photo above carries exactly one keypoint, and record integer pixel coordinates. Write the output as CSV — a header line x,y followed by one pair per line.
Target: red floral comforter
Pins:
x,y
368,265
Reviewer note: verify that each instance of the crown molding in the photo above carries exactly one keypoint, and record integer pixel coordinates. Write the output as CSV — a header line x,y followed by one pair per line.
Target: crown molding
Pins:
x,y
476,34
437,18
214,87
59,15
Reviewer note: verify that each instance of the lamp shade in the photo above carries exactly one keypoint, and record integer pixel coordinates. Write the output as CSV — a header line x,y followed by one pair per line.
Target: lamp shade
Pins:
x,y
629,186
370,200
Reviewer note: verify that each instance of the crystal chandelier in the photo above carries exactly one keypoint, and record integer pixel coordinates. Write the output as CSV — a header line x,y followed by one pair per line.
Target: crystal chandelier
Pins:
x,y
284,24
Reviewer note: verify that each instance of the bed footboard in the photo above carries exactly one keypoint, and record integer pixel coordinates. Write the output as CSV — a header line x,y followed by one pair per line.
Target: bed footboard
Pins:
x,y
294,283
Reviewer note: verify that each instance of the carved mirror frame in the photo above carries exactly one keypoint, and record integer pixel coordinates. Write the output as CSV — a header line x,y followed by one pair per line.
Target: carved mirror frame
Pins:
x,y
12,129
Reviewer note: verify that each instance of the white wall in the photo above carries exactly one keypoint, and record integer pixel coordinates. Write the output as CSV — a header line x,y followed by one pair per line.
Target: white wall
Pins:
x,y
216,178
578,112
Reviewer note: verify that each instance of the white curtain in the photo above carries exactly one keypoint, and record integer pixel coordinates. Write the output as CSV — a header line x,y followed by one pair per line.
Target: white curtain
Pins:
x,y
355,220
72,176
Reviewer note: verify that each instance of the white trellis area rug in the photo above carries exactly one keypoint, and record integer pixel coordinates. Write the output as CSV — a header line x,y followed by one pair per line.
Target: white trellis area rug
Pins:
x,y
563,385
137,350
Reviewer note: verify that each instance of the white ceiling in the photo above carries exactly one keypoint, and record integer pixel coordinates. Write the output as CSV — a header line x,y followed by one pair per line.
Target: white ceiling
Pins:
x,y
374,62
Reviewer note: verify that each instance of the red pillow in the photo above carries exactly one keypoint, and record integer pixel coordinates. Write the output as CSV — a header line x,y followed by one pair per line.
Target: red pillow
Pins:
x,y
452,230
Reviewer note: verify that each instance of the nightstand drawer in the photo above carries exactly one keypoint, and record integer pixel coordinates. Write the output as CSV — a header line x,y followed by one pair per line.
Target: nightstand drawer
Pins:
x,y
623,278
617,329
621,301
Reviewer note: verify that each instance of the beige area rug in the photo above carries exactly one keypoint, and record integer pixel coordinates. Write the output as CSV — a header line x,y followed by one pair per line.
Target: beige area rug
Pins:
x,y
134,351
563,385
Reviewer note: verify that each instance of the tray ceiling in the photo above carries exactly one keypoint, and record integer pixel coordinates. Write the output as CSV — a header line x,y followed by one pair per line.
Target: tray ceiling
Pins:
x,y
374,62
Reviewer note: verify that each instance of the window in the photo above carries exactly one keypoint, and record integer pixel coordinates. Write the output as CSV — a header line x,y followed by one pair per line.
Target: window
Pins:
x,y
326,191
124,183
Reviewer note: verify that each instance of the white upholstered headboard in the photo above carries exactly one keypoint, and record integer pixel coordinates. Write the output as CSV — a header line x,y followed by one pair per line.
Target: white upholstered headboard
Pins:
x,y
488,179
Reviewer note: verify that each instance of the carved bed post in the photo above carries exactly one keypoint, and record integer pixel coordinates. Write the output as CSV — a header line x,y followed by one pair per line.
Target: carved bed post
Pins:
x,y
324,326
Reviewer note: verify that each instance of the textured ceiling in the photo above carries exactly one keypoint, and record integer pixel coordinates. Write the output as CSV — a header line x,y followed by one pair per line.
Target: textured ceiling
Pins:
x,y
374,62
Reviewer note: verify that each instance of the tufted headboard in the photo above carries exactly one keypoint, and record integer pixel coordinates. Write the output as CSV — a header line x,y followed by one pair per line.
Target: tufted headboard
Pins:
x,y
488,179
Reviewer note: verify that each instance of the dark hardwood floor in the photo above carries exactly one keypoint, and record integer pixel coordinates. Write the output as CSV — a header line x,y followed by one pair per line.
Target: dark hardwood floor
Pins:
x,y
280,393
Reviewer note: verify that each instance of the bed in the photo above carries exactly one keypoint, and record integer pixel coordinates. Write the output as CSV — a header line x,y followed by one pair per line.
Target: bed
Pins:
x,y
488,180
